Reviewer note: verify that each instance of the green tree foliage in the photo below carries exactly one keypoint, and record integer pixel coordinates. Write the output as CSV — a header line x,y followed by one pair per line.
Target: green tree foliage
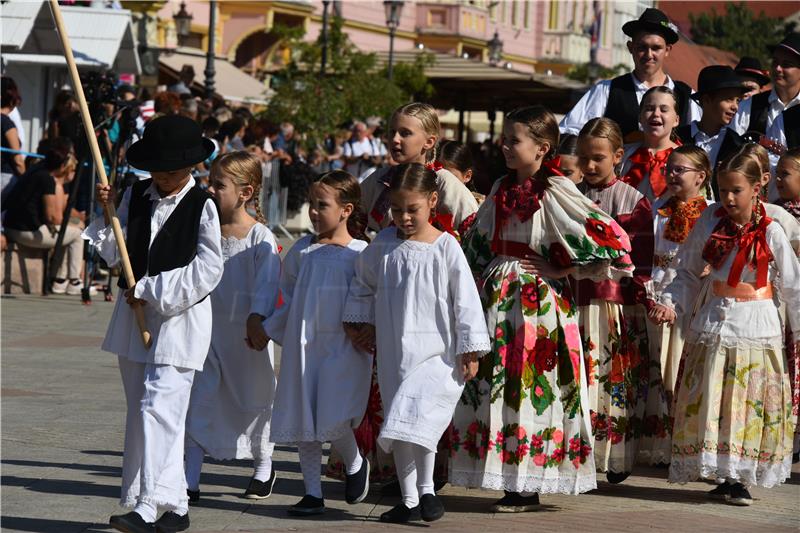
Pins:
x,y
354,85
739,30
580,72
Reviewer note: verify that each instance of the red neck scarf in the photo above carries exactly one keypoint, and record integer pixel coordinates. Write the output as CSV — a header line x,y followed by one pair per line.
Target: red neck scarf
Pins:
x,y
644,162
750,241
521,199
681,217
792,206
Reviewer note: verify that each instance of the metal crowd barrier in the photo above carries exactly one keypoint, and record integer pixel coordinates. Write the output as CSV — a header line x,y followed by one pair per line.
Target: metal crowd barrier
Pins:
x,y
274,199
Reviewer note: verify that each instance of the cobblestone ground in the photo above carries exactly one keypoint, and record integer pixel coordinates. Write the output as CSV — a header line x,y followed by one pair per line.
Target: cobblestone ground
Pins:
x,y
62,433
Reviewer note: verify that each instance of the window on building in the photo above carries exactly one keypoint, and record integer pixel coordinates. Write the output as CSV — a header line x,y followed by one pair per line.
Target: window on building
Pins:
x,y
526,14
552,22
502,7
514,13
493,11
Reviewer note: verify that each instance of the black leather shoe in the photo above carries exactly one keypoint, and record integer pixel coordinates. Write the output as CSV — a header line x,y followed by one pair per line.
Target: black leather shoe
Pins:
x,y
308,506
259,490
131,523
431,507
514,502
356,486
617,477
171,523
400,514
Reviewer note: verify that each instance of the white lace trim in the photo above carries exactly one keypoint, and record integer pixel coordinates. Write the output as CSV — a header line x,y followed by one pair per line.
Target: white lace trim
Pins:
x,y
481,347
357,318
654,457
715,339
131,501
293,437
712,466
515,483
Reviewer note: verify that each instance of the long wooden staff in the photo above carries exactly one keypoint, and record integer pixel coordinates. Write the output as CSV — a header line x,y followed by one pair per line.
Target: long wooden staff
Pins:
x,y
110,211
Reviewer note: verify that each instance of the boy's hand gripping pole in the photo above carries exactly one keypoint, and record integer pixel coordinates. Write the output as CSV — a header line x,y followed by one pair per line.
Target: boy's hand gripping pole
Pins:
x,y
111,212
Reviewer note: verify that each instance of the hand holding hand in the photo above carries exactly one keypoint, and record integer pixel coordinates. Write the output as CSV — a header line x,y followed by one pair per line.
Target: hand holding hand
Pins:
x,y
660,314
469,365
538,265
256,338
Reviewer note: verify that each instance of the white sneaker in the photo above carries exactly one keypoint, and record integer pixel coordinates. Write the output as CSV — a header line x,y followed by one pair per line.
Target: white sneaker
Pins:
x,y
60,287
75,287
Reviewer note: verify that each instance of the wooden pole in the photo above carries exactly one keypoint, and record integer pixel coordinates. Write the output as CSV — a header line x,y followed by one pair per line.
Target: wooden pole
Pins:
x,y
111,212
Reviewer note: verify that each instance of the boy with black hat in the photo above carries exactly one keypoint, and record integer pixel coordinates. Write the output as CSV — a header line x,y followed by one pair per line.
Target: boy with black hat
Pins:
x,y
754,77
719,91
785,129
174,242
652,37
759,113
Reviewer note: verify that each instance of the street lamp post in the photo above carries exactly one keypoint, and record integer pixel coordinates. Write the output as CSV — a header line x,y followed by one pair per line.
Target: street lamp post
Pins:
x,y
323,63
392,8
495,49
183,24
212,30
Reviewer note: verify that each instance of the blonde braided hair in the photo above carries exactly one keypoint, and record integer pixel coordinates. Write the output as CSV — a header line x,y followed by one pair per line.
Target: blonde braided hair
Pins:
x,y
242,168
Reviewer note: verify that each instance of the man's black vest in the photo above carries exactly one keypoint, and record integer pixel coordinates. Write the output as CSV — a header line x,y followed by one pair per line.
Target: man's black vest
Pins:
x,y
176,243
791,126
623,107
759,109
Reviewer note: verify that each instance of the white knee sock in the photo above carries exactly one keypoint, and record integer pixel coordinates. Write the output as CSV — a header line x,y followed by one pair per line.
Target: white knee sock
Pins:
x,y
406,472
424,460
263,468
147,511
193,465
348,449
310,461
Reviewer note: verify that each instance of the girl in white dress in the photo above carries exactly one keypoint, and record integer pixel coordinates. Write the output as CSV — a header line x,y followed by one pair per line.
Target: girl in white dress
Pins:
x,y
324,380
733,400
231,402
414,289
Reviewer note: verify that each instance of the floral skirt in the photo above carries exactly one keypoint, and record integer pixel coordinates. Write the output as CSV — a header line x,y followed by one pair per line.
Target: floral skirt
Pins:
x,y
733,413
616,350
522,423
655,444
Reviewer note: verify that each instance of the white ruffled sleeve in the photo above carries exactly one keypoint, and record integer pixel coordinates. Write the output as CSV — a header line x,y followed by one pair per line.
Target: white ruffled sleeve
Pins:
x,y
275,324
682,281
174,291
268,274
455,198
470,322
789,267
101,236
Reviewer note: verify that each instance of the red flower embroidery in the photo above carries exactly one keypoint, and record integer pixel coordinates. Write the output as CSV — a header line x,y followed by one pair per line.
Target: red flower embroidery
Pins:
x,y
530,296
559,255
544,352
602,234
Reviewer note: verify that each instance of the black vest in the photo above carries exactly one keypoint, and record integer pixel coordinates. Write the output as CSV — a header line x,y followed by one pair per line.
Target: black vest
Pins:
x,y
730,145
623,108
791,126
176,243
759,109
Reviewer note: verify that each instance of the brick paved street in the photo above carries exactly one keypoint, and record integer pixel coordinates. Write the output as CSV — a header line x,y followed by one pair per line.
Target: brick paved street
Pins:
x,y
62,432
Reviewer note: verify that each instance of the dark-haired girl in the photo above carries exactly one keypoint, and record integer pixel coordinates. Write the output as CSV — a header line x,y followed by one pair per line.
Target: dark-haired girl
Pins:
x,y
522,425
324,380
414,300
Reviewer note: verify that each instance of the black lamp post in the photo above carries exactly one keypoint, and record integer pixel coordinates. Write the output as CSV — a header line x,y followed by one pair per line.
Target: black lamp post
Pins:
x,y
323,63
183,23
392,8
495,49
212,30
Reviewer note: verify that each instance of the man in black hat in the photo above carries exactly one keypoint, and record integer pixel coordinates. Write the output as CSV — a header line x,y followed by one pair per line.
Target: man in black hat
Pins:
x,y
174,244
759,113
749,69
719,91
785,129
652,37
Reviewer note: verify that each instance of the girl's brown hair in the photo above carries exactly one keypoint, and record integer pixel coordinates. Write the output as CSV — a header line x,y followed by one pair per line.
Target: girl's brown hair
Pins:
x,y
663,89
413,177
793,155
603,128
541,124
758,153
744,164
699,159
348,191
242,168
427,116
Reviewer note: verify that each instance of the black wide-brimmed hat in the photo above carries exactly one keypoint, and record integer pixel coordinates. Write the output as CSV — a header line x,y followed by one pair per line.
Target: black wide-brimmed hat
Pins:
x,y
717,77
169,143
652,21
790,43
750,67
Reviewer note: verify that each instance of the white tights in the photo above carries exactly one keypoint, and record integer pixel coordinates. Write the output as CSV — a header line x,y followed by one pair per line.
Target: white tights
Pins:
x,y
310,453
414,465
194,465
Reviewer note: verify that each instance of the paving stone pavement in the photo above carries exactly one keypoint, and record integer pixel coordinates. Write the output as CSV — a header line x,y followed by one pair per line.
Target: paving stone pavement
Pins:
x,y
62,435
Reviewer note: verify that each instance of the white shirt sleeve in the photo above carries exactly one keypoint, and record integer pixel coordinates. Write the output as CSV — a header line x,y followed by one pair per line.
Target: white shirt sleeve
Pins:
x,y
789,267
695,111
275,324
347,149
267,282
360,306
593,104
741,121
682,281
470,322
174,291
102,237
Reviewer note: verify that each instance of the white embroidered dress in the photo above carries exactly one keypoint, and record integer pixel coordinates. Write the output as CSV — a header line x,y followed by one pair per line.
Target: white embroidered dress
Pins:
x,y
324,380
231,405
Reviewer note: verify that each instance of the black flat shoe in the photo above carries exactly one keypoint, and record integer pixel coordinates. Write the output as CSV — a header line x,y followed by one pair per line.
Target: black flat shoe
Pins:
x,y
614,477
400,514
356,486
172,523
308,506
739,495
438,484
194,496
259,490
514,502
721,492
131,523
431,507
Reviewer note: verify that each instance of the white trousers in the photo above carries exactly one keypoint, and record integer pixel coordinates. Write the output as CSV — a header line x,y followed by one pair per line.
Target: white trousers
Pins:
x,y
152,465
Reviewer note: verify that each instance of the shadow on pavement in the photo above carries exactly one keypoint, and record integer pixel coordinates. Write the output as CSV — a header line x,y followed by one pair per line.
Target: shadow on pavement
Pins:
x,y
62,486
42,525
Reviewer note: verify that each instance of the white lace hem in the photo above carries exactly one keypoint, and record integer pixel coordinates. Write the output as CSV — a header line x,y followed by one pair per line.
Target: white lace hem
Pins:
x,y
514,483
746,471
479,347
293,437
715,339
357,318
654,457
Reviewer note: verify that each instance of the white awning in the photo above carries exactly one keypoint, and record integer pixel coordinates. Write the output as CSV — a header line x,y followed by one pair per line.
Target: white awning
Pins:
x,y
99,37
229,82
